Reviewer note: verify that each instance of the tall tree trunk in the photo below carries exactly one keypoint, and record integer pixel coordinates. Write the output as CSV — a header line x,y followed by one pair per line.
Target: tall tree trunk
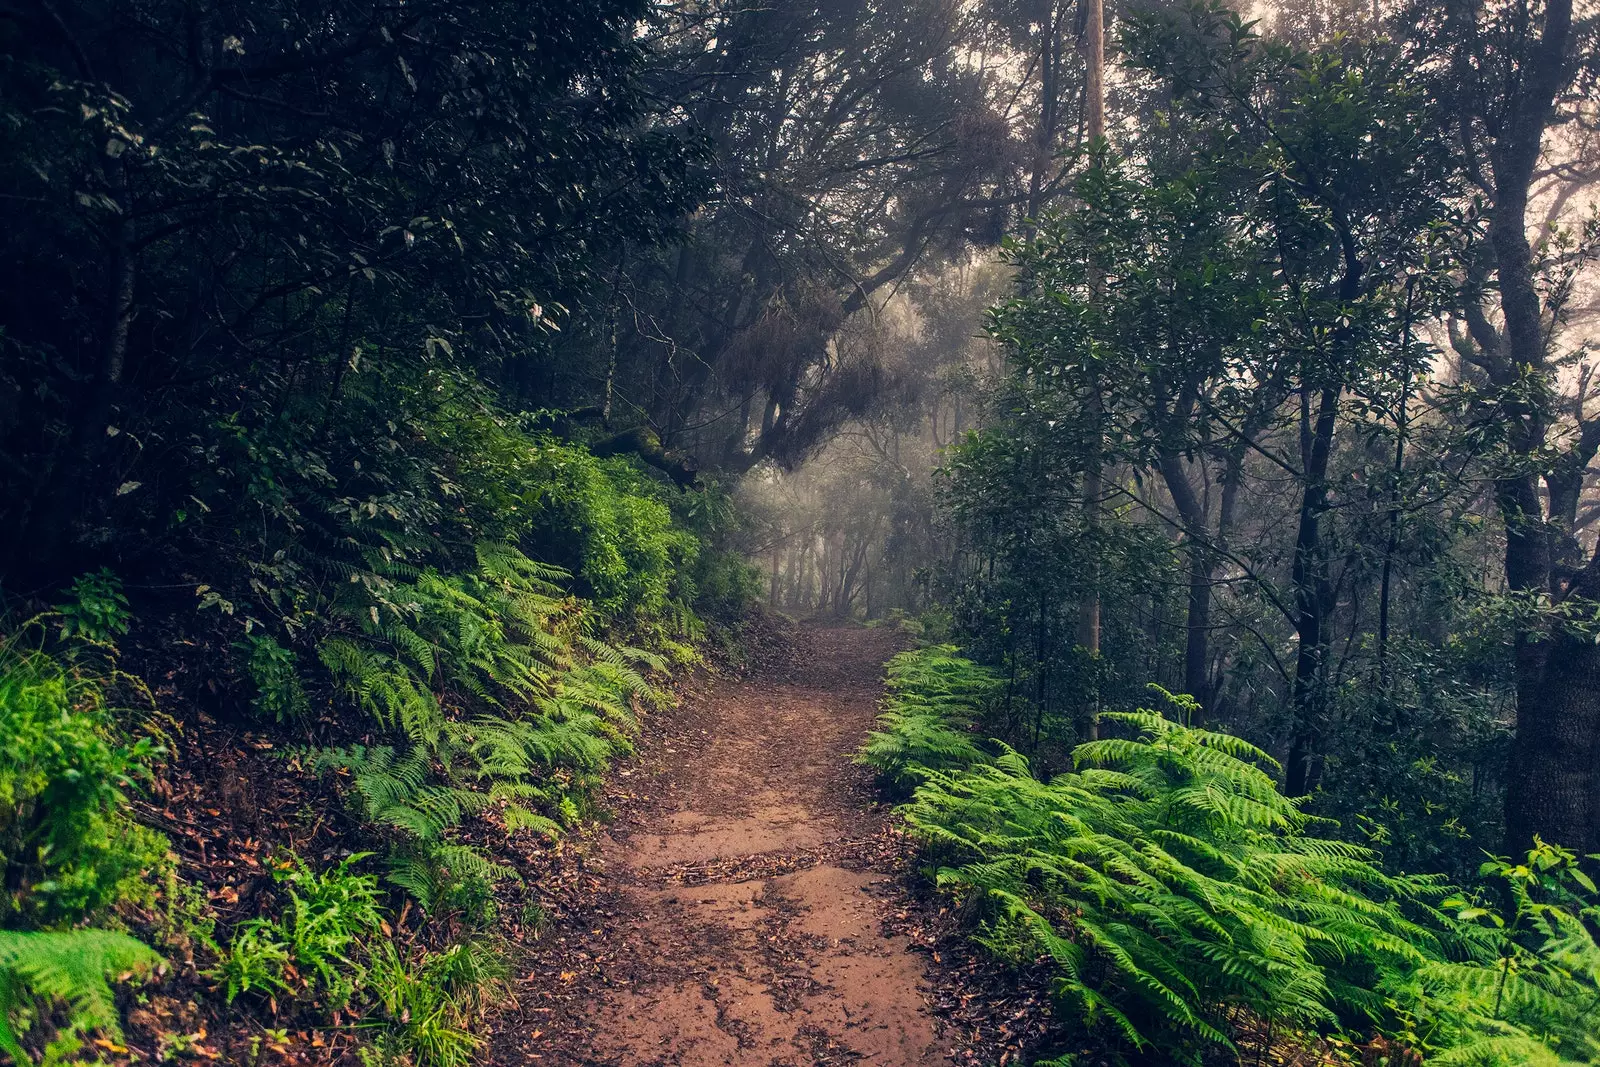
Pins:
x,y
1197,637
1094,105
1552,781
1312,597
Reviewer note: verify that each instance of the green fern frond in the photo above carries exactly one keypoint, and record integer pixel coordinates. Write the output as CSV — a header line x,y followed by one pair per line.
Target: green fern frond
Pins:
x,y
74,968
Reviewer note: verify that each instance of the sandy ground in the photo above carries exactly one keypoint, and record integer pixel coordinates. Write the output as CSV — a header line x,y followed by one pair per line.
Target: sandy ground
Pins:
x,y
743,920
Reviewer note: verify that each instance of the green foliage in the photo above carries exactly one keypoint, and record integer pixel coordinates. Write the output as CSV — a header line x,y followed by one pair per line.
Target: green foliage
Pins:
x,y
254,960
429,1002
275,676
328,916
67,846
497,702
96,609
72,969
318,946
1172,887
934,698
1527,991
1167,881
610,526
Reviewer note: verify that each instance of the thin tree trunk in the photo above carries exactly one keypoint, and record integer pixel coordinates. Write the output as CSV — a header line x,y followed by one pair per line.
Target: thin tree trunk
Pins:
x,y
1094,59
1311,600
1197,636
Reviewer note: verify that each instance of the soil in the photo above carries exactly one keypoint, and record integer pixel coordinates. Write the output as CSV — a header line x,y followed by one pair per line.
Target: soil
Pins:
x,y
747,905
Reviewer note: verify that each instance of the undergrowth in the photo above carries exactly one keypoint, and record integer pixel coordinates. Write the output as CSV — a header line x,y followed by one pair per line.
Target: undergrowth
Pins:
x,y
455,692
1177,896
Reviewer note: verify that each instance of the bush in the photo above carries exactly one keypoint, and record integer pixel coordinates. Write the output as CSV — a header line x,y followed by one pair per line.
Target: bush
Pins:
x,y
607,523
67,847
1170,885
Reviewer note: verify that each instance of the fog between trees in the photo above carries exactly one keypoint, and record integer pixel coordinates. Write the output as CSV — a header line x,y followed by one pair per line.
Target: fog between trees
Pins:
x,y
420,383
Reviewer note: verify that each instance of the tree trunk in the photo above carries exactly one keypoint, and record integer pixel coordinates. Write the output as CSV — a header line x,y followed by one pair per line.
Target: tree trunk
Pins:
x,y
1552,781
1311,601
1197,636
1094,106
1552,765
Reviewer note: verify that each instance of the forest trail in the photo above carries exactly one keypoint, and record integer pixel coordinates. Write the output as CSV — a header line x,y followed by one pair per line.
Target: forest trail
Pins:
x,y
744,920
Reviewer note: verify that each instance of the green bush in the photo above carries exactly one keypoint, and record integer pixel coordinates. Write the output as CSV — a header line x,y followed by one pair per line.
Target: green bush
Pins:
x,y
1170,884
67,846
608,524
1526,991
96,609
254,960
329,918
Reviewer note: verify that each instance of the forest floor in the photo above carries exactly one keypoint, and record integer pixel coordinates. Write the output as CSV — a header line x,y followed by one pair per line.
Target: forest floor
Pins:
x,y
747,903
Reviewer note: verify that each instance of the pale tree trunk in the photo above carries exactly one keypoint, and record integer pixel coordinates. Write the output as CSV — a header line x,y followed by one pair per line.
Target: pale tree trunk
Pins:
x,y
1094,107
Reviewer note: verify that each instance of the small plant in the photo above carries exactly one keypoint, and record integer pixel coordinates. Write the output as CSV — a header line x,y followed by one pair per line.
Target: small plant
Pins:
x,y
96,609
72,970
330,916
275,677
534,919
320,941
254,961
429,1003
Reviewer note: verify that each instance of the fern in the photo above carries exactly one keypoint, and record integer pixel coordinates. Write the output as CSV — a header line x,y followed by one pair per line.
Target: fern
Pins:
x,y
71,968
1172,887
491,696
934,696
401,792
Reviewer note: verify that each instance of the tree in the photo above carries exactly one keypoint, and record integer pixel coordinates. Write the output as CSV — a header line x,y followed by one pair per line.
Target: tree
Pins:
x,y
1175,311
253,237
1510,76
851,143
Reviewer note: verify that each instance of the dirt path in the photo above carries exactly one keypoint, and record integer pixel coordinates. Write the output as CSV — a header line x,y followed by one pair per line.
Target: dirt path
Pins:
x,y
739,917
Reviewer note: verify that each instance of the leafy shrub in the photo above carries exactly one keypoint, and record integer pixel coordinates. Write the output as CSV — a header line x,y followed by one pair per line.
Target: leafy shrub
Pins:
x,y
71,969
725,585
496,701
601,519
330,915
274,673
67,847
96,609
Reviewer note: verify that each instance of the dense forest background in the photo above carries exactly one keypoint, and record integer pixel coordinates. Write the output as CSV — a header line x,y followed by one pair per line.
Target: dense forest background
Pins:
x,y
413,387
